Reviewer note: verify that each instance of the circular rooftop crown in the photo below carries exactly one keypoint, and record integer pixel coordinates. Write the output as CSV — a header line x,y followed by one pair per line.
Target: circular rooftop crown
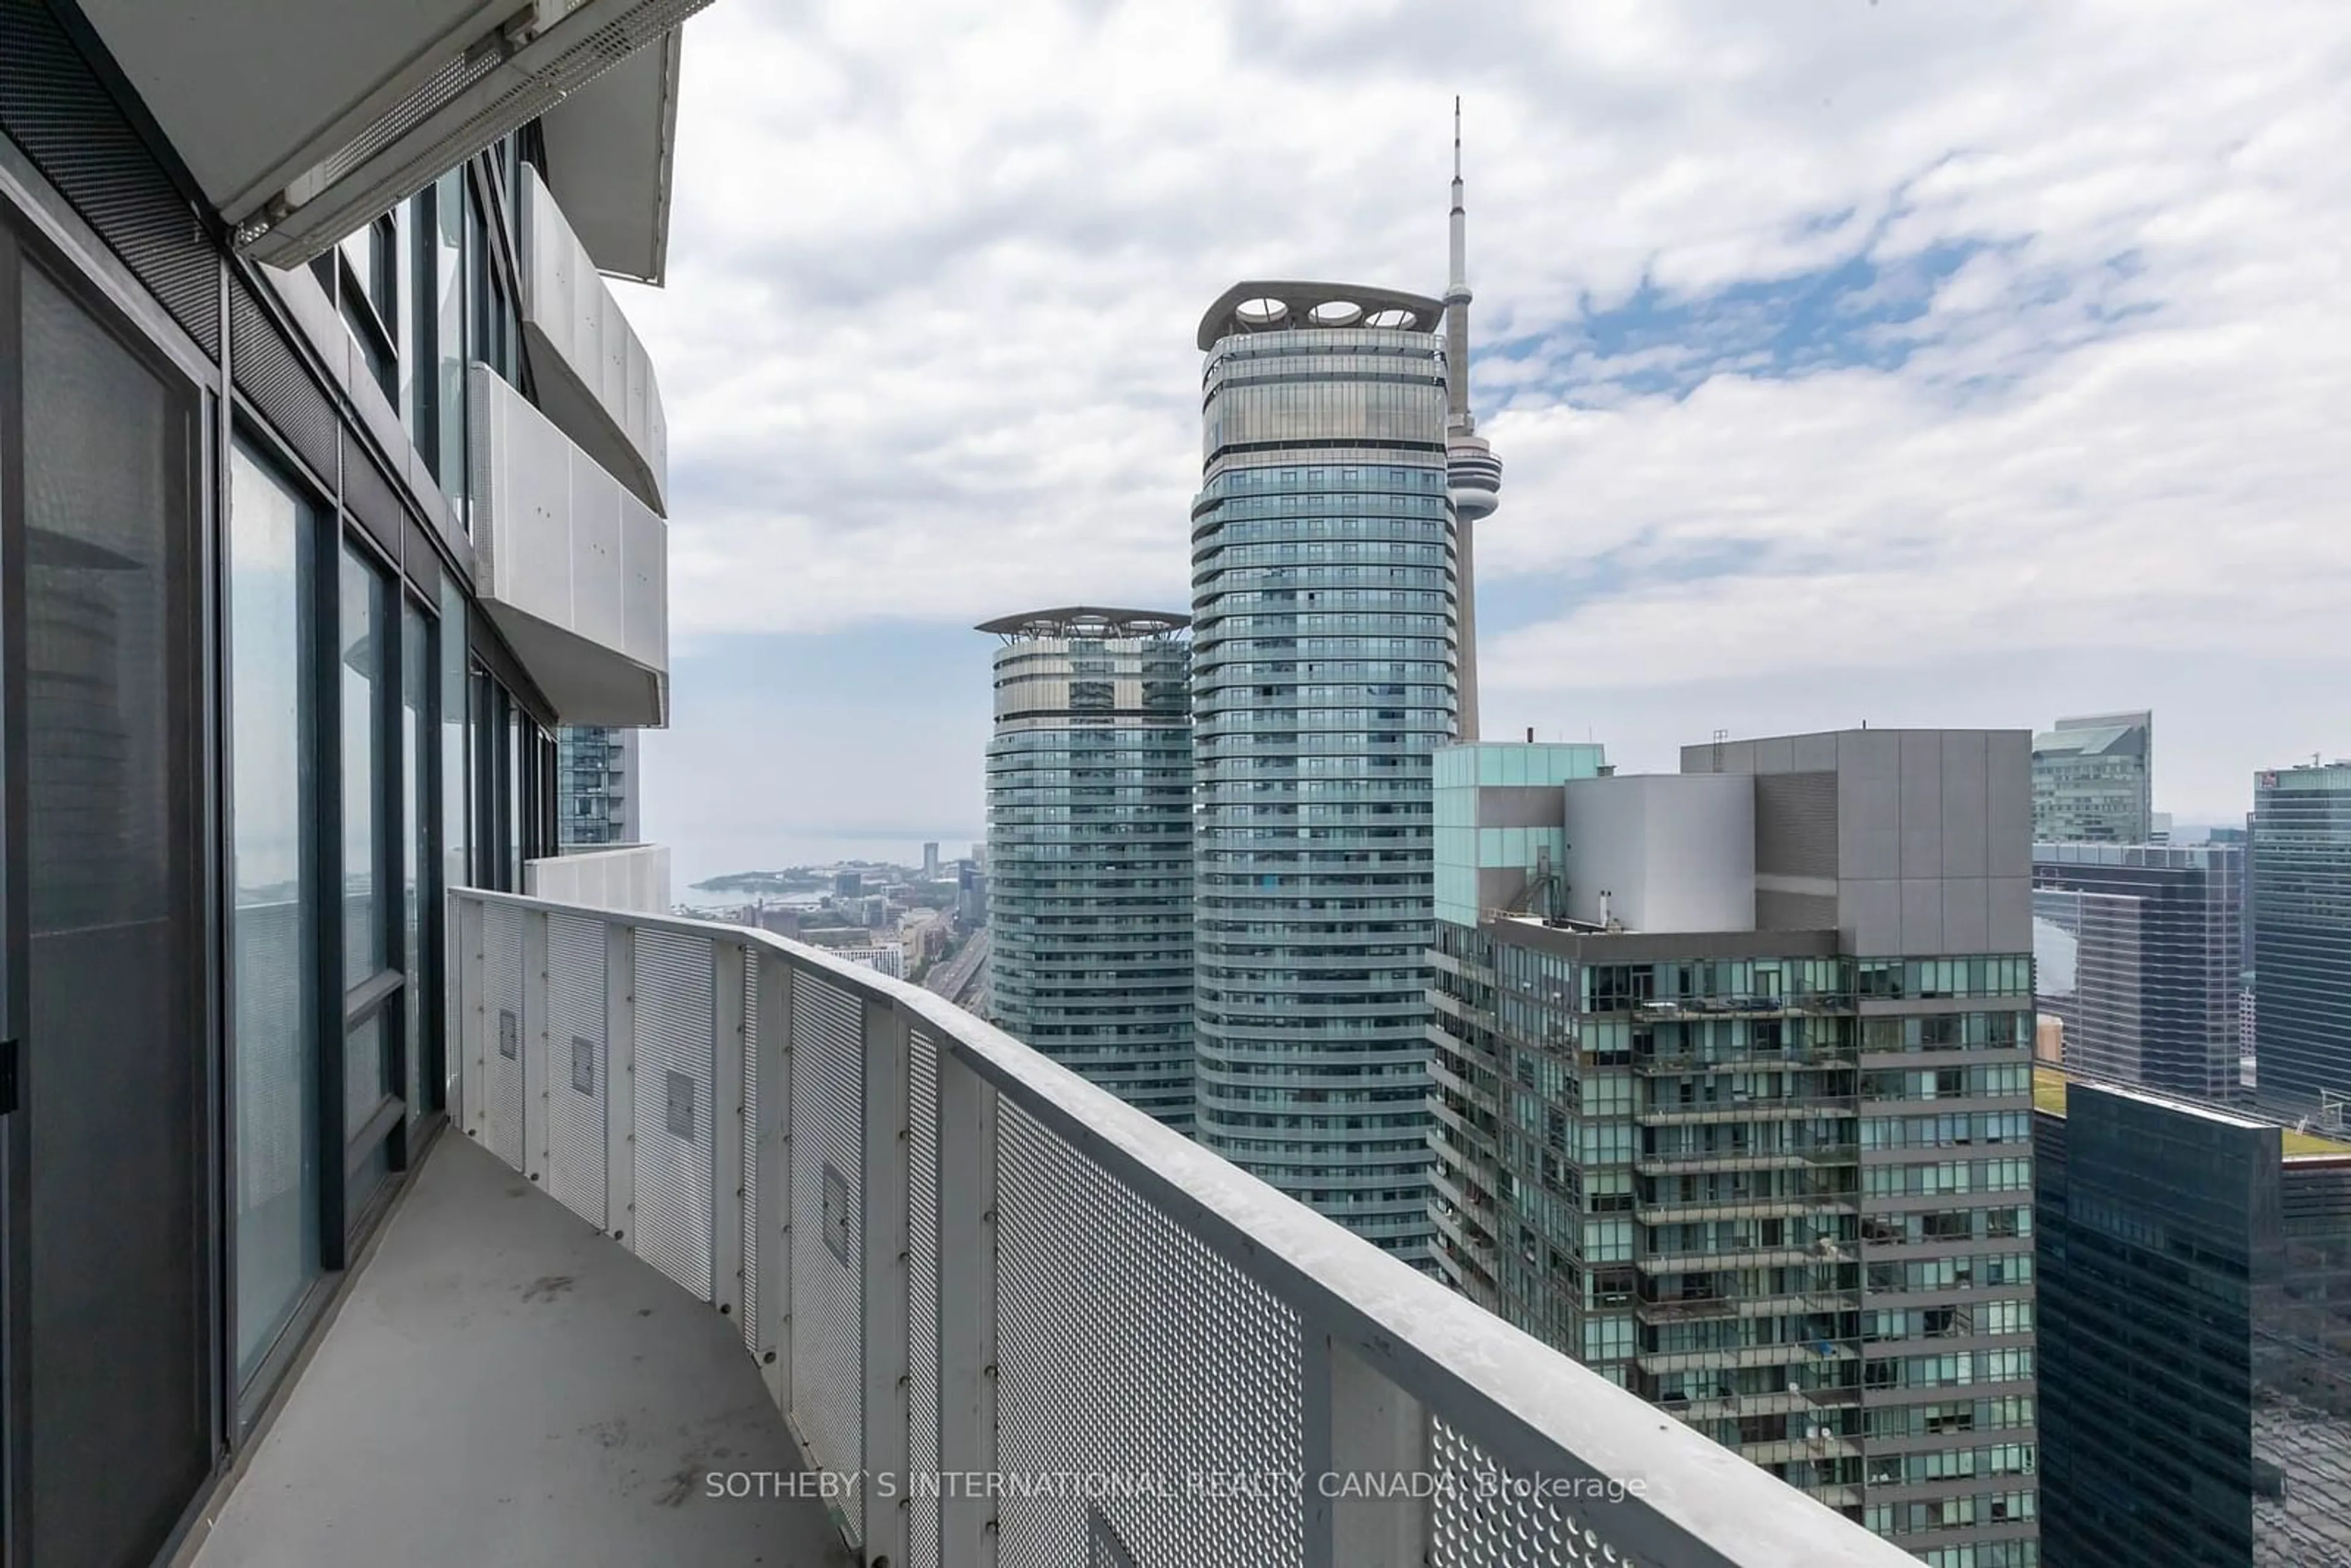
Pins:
x,y
1087,621
1286,306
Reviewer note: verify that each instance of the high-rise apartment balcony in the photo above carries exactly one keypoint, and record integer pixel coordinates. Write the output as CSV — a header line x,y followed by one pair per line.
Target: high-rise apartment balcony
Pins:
x,y
738,1252
594,379
571,564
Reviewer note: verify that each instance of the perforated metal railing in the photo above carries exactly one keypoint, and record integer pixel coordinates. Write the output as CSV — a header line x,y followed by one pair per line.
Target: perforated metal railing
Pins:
x,y
1013,1321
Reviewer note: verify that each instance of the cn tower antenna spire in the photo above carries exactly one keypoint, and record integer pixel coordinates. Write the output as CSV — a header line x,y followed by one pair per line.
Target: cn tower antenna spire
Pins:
x,y
1457,301
1473,474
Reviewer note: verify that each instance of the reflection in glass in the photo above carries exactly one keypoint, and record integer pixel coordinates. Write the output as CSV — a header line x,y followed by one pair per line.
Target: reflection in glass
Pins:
x,y
514,798
275,1102
363,645
456,761
449,262
363,1083
370,1173
456,777
107,1315
417,744
366,944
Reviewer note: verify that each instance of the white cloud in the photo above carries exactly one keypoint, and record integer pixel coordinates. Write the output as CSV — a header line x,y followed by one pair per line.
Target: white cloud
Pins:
x,y
927,347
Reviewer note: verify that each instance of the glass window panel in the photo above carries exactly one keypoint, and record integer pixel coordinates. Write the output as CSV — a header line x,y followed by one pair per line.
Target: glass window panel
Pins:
x,y
411,315
371,1171
273,930
111,1305
363,1087
417,676
449,198
362,641
514,728
478,268
456,775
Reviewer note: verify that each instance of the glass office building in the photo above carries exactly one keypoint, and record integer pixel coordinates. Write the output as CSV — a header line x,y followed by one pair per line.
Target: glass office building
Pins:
x,y
1089,849
2302,938
2139,951
1323,678
2093,780
2195,1295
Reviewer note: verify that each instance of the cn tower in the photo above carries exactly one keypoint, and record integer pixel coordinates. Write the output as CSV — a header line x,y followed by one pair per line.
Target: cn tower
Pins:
x,y
1473,475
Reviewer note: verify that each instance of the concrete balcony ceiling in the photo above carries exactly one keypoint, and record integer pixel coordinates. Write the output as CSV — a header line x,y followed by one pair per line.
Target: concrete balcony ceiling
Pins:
x,y
572,567
300,121
595,380
610,149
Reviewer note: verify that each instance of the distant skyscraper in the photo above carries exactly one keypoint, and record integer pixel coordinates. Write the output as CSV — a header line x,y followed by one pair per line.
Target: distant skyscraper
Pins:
x,y
1089,849
971,895
2195,1297
1733,1071
596,773
1333,653
2140,950
2093,780
1324,665
930,862
2302,934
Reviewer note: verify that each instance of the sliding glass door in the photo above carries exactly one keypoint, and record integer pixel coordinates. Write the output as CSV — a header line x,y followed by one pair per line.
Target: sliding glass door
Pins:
x,y
274,924
108,1304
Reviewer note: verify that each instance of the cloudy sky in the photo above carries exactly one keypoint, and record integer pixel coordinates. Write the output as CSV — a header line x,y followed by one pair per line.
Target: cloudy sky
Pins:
x,y
1851,360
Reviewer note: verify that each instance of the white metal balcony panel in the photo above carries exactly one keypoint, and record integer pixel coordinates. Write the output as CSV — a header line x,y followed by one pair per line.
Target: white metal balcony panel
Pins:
x,y
1021,1322
594,378
572,567
303,120
623,877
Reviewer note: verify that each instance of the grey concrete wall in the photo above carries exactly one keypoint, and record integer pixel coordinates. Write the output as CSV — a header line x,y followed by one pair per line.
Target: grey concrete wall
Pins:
x,y
1518,805
1933,850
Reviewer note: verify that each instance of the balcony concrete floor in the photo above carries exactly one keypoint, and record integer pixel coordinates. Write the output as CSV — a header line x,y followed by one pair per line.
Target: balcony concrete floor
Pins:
x,y
504,1385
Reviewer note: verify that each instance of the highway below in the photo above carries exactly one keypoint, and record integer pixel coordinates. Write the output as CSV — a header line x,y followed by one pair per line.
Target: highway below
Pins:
x,y
962,979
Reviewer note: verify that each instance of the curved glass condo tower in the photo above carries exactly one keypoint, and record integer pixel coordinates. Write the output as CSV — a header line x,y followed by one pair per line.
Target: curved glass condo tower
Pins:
x,y
1089,849
1325,673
